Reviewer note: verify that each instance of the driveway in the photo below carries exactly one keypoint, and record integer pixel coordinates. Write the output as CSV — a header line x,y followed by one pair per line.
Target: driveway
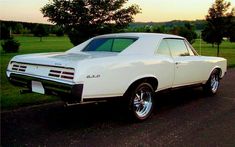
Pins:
x,y
181,118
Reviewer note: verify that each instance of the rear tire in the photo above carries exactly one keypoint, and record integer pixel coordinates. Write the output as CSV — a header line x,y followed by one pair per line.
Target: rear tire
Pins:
x,y
141,101
212,85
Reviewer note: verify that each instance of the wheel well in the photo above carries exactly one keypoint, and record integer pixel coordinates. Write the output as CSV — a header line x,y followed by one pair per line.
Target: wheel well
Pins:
x,y
151,80
220,71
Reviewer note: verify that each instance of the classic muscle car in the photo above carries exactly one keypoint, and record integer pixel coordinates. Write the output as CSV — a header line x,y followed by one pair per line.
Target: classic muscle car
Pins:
x,y
129,65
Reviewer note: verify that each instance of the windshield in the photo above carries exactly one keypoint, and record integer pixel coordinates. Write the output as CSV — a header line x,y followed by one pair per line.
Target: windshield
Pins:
x,y
109,44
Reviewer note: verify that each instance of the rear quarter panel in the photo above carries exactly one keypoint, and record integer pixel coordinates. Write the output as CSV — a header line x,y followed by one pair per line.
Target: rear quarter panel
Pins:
x,y
211,63
113,75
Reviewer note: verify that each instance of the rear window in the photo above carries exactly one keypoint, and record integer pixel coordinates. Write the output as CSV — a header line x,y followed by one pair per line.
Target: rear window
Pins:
x,y
109,44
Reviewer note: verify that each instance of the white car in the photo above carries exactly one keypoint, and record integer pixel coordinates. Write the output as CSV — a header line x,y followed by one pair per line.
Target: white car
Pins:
x,y
128,65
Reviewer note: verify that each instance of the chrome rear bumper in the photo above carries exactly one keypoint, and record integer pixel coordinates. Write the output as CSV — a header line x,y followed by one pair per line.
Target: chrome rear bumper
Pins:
x,y
69,93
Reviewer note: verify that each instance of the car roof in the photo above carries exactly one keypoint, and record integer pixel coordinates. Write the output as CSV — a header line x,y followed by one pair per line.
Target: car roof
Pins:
x,y
140,35
146,43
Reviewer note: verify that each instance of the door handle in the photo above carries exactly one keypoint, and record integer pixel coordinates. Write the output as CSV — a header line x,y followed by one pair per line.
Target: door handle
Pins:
x,y
177,63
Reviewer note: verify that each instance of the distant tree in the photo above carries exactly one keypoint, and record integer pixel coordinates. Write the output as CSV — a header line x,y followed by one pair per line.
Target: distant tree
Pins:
x,y
158,29
147,28
217,26
141,29
4,31
18,29
208,34
186,31
231,33
40,31
83,19
230,28
58,31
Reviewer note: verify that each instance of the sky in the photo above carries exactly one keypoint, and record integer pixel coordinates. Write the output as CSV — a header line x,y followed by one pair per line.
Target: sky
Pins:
x,y
152,10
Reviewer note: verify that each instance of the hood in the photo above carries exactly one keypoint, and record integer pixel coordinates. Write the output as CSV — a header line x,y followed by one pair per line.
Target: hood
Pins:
x,y
60,58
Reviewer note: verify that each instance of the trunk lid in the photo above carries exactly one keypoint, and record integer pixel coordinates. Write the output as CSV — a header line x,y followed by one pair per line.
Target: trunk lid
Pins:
x,y
60,59
54,65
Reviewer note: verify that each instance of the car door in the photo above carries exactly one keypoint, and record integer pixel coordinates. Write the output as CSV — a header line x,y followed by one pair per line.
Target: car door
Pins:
x,y
187,65
164,70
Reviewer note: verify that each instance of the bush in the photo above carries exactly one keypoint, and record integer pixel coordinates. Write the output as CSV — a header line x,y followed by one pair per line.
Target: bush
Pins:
x,y
10,45
4,32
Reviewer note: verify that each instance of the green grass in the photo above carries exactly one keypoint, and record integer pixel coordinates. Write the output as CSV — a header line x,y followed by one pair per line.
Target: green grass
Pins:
x,y
227,50
10,97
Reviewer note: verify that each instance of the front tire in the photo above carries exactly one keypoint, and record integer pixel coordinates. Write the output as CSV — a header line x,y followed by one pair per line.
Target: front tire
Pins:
x,y
141,101
212,85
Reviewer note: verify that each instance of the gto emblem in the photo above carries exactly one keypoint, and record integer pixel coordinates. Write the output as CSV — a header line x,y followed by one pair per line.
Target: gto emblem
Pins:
x,y
92,76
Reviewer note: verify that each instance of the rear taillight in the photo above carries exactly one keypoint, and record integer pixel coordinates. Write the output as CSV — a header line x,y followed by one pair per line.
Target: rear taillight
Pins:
x,y
54,73
18,67
67,75
61,74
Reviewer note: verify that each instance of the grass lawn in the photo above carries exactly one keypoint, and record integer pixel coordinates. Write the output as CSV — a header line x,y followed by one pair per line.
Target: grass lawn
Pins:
x,y
10,97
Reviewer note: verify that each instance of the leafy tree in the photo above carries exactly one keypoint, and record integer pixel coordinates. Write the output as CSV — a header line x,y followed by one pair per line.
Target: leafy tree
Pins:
x,y
158,29
217,26
18,29
146,28
58,31
4,31
232,33
208,34
40,31
187,31
230,28
83,19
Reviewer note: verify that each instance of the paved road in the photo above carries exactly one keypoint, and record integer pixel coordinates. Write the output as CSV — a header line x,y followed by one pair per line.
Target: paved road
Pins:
x,y
181,118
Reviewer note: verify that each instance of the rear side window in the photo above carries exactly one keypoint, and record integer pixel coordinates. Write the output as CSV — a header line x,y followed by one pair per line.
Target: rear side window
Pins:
x,y
163,48
177,47
109,44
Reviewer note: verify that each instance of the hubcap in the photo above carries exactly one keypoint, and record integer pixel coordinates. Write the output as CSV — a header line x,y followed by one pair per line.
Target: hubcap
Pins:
x,y
142,102
214,83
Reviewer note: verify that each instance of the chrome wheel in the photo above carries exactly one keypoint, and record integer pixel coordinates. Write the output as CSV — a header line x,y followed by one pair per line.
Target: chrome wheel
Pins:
x,y
214,82
212,85
142,101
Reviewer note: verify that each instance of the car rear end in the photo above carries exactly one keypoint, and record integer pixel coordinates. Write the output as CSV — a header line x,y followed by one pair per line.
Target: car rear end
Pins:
x,y
45,79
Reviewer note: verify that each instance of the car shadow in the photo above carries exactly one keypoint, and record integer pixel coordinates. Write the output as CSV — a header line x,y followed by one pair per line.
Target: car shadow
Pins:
x,y
91,115
175,98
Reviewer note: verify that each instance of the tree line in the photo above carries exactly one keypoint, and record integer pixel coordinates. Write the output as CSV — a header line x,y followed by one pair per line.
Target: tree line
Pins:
x,y
15,27
8,28
37,29
198,24
186,30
